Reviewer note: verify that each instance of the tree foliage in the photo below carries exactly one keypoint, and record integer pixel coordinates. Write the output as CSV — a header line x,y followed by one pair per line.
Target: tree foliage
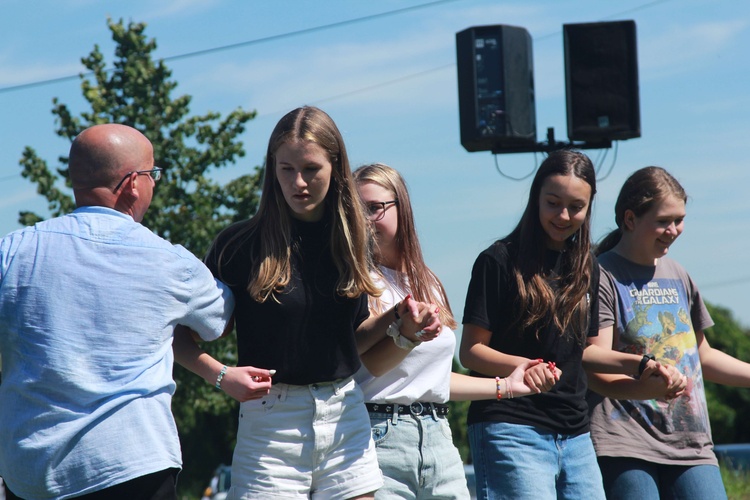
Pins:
x,y
188,206
458,410
728,407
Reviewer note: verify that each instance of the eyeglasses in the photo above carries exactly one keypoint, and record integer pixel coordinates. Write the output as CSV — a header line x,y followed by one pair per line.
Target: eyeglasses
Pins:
x,y
376,209
155,174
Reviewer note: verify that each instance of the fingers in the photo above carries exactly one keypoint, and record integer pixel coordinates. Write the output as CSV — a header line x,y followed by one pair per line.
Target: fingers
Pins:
x,y
541,376
263,376
425,325
245,383
655,368
409,307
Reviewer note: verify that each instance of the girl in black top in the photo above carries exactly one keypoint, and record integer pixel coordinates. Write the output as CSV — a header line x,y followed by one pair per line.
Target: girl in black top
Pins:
x,y
533,294
299,270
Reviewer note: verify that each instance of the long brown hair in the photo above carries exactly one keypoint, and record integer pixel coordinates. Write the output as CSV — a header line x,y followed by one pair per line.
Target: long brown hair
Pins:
x,y
644,188
568,304
424,285
271,268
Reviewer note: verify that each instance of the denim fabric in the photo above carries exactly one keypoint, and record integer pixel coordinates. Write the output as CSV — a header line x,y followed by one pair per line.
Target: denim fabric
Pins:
x,y
88,306
418,458
633,479
305,441
517,462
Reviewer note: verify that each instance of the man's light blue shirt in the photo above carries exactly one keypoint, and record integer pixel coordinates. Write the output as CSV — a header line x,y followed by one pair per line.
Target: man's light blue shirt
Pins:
x,y
88,306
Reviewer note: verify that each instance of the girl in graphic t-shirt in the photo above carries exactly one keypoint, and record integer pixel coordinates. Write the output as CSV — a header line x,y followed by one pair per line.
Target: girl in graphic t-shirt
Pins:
x,y
533,294
651,446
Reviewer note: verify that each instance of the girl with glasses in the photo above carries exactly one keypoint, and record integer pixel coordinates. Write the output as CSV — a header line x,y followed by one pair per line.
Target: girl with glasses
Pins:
x,y
407,384
650,305
299,270
534,294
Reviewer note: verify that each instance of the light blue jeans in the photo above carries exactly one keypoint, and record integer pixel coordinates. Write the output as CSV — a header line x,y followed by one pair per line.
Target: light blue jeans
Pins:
x,y
633,479
515,462
417,457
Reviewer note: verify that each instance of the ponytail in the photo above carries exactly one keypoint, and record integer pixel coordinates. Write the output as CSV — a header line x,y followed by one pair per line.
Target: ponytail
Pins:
x,y
608,242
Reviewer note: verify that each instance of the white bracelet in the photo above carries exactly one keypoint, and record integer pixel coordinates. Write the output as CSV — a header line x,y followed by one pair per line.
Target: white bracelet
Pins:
x,y
220,376
394,330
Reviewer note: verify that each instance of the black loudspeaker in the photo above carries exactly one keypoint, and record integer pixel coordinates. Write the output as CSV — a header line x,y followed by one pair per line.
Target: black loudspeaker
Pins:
x,y
495,87
601,81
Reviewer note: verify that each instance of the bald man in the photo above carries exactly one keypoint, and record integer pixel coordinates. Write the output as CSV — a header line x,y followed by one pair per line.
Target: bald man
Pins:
x,y
88,306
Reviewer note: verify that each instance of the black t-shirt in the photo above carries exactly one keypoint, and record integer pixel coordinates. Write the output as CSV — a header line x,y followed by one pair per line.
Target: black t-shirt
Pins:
x,y
307,333
491,303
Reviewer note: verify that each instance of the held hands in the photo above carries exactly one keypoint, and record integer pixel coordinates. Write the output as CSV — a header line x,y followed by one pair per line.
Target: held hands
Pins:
x,y
420,322
244,383
539,376
672,383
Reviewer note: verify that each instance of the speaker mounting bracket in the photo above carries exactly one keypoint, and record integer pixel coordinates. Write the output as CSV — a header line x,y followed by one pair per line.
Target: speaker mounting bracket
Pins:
x,y
551,145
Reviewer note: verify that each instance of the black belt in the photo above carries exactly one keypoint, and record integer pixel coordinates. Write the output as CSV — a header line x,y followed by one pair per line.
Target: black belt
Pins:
x,y
415,409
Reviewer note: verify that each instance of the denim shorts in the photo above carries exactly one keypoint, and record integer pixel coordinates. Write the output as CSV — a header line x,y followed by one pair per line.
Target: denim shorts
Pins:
x,y
418,458
310,441
513,461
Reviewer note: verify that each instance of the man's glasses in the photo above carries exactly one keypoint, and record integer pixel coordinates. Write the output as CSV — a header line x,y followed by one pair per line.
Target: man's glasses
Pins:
x,y
155,174
376,209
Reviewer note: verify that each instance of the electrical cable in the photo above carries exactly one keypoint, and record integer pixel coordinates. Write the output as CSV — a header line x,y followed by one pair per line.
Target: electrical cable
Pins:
x,y
232,46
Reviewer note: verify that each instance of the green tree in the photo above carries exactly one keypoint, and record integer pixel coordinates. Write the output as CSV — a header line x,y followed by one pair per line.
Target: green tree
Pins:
x,y
457,420
729,407
188,207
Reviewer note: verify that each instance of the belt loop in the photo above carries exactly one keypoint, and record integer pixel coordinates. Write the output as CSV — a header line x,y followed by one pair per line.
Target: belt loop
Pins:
x,y
394,418
433,411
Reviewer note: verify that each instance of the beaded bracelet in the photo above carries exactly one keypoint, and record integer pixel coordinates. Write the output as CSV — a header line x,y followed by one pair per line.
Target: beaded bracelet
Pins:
x,y
221,376
497,384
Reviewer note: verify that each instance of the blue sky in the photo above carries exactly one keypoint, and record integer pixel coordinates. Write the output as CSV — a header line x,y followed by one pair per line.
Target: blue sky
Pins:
x,y
390,84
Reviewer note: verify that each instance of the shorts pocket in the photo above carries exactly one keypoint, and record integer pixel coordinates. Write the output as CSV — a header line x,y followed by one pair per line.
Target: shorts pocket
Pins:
x,y
380,430
261,405
445,428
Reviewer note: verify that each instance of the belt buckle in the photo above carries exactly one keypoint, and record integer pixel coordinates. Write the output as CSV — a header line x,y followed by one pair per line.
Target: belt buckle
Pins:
x,y
416,408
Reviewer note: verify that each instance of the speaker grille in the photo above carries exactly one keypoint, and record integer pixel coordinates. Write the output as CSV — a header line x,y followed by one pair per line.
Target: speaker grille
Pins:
x,y
601,81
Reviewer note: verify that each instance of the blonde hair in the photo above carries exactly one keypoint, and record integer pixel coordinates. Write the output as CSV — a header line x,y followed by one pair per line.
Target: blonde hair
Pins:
x,y
271,269
423,283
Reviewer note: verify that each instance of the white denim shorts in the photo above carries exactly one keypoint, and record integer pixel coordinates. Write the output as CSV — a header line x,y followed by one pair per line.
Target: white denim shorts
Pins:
x,y
309,441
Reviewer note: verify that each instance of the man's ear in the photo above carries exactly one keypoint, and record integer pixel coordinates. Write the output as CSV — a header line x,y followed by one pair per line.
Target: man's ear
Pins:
x,y
133,185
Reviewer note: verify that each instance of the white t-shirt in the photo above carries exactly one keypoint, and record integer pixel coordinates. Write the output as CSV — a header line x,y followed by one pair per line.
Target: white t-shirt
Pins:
x,y
424,375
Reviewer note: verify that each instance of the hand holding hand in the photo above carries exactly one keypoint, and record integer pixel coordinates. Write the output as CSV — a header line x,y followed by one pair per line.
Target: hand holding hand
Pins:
x,y
420,321
244,383
653,367
540,376
678,382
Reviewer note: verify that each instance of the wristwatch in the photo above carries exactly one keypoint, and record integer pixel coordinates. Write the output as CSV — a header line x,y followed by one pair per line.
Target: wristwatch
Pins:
x,y
394,331
644,361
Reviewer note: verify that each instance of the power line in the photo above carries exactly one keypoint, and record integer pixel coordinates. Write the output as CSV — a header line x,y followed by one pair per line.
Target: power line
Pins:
x,y
232,46
338,24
